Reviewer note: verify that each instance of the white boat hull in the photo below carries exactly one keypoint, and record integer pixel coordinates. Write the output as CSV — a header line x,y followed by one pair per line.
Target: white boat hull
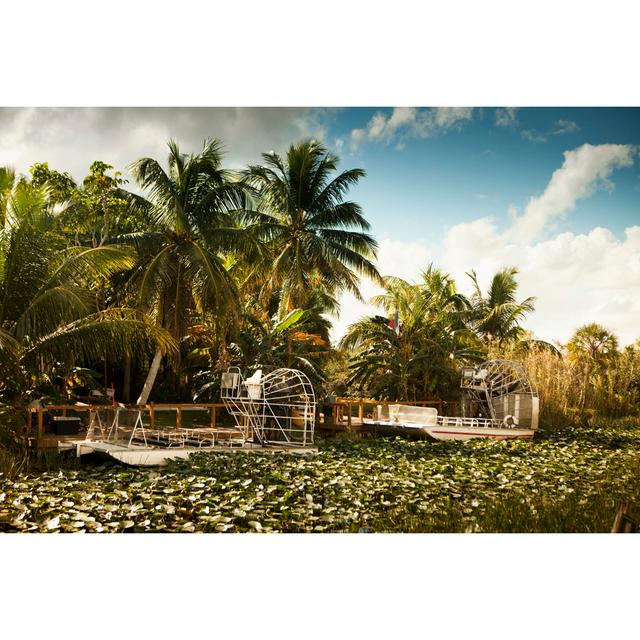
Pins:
x,y
452,428
470,433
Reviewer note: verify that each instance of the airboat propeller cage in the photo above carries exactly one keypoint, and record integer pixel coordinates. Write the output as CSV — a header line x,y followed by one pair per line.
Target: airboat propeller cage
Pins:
x,y
501,390
276,408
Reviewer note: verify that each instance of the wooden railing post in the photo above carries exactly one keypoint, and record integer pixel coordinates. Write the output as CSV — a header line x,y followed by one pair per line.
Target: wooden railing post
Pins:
x,y
213,416
360,410
152,416
40,427
179,417
349,416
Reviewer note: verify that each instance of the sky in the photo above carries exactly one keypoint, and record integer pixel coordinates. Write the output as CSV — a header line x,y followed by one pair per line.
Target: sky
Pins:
x,y
554,192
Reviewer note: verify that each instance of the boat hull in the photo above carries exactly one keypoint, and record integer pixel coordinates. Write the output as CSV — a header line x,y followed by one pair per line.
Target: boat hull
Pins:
x,y
440,432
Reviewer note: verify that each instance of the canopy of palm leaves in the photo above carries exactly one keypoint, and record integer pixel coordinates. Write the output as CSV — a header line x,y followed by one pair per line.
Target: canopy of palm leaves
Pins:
x,y
315,238
416,359
594,344
496,316
195,211
48,310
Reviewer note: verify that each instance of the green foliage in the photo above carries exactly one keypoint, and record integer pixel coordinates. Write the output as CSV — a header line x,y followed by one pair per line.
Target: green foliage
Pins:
x,y
47,301
567,481
586,380
61,185
418,359
195,212
307,225
496,316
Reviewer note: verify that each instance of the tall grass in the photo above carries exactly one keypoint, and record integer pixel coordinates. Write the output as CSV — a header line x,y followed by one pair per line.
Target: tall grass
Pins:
x,y
576,391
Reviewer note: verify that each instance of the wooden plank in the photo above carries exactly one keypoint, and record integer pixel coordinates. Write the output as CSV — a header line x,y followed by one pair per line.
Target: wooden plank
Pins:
x,y
40,426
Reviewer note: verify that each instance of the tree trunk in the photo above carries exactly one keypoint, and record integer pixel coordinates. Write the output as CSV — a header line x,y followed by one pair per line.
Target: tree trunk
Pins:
x,y
126,384
151,378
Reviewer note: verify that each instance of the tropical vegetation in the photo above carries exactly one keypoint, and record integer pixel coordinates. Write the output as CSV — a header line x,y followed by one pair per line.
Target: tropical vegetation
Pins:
x,y
569,481
153,288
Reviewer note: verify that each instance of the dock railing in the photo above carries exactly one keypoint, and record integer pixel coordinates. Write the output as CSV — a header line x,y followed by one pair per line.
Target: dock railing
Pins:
x,y
344,415
348,414
213,415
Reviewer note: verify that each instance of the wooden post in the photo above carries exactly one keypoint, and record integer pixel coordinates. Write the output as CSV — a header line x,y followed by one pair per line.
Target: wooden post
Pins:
x,y
349,415
152,417
360,410
179,417
623,523
40,426
213,416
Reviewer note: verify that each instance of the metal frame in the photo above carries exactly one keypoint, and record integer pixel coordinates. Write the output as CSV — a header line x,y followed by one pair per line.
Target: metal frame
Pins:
x,y
492,381
278,408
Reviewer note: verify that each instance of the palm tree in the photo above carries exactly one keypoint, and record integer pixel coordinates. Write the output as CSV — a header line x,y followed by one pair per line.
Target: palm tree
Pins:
x,y
7,185
47,306
196,211
496,317
442,297
594,343
315,238
414,359
593,349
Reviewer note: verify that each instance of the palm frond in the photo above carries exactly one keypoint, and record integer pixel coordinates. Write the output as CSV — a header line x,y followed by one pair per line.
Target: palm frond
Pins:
x,y
119,332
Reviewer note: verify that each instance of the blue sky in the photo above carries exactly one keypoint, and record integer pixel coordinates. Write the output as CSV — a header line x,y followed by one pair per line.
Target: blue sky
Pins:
x,y
479,169
424,182
552,191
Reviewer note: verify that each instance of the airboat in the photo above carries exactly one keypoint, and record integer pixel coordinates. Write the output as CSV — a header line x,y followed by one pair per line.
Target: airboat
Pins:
x,y
498,401
272,412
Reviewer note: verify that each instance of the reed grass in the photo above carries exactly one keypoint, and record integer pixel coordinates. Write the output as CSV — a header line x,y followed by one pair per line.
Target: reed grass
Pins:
x,y
575,391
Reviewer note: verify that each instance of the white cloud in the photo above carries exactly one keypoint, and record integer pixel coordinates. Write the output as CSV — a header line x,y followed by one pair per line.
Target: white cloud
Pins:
x,y
533,136
583,170
576,278
565,126
560,127
402,259
411,122
71,138
507,116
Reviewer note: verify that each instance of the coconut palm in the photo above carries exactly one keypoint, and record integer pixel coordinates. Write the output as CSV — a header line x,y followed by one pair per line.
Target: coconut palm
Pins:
x,y
414,359
196,211
316,238
496,316
47,307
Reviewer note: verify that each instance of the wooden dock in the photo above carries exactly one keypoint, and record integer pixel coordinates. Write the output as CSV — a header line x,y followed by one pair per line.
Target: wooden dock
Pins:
x,y
346,415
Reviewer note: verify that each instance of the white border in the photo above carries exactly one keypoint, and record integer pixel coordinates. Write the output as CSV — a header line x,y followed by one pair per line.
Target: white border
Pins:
x,y
318,54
